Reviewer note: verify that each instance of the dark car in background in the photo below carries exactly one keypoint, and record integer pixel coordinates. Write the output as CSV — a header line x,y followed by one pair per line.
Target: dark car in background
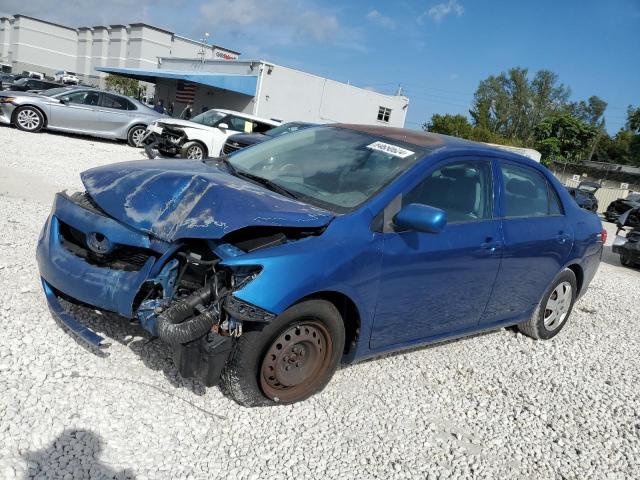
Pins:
x,y
242,140
622,205
584,195
25,84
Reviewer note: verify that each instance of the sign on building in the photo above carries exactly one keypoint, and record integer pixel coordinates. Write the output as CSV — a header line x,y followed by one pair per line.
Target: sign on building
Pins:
x,y
576,178
624,186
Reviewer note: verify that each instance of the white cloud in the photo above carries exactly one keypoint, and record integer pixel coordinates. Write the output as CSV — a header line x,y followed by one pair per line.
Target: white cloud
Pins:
x,y
86,13
438,12
374,16
281,21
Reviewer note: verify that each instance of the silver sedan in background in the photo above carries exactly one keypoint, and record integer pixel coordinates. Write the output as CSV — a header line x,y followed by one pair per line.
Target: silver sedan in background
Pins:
x,y
82,110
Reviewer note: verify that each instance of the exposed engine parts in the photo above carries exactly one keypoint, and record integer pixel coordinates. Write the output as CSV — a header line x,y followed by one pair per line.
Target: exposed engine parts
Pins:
x,y
185,306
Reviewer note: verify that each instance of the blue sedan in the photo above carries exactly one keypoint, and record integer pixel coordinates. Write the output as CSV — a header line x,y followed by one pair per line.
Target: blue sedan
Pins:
x,y
266,269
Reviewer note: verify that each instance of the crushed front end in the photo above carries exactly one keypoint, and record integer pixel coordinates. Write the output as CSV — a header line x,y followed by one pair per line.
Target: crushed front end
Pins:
x,y
164,139
180,292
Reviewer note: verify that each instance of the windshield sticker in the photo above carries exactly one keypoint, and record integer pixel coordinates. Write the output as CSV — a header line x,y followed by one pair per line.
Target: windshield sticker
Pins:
x,y
390,149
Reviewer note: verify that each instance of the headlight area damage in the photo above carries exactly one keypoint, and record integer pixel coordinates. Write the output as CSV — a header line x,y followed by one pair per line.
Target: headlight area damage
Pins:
x,y
180,291
164,140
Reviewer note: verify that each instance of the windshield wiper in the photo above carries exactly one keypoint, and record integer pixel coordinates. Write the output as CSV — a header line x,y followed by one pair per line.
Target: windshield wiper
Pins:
x,y
268,183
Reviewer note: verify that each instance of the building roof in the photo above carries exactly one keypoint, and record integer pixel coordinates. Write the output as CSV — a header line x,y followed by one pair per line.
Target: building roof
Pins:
x,y
244,84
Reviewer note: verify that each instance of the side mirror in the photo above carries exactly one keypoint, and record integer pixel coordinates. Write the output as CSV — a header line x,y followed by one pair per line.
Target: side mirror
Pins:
x,y
223,126
64,100
421,218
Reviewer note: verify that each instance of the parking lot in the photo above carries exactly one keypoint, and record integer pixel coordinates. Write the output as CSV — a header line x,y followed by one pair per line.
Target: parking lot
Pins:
x,y
497,405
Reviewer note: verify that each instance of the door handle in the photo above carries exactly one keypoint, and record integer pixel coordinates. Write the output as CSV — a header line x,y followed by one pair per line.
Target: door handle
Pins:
x,y
491,245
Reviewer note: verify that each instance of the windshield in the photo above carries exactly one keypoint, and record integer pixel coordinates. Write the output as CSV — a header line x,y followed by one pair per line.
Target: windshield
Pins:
x,y
330,167
286,128
209,118
22,81
634,197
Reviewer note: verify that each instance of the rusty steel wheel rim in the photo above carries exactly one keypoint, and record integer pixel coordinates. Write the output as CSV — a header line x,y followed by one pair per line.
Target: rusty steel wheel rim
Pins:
x,y
294,363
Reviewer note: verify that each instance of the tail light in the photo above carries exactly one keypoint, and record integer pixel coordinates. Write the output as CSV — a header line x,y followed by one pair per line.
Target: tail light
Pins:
x,y
603,235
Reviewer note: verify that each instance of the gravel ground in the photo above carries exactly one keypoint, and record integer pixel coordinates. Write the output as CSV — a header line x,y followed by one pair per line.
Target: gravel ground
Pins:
x,y
498,405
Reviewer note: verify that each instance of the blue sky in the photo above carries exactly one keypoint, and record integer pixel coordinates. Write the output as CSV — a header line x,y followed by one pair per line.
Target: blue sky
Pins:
x,y
437,50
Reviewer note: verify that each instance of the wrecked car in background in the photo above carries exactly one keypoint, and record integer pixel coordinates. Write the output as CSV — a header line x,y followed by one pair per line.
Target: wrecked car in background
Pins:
x,y
201,137
628,247
266,268
623,205
585,195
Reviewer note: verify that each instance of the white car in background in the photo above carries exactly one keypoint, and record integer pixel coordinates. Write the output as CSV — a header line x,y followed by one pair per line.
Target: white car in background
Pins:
x,y
202,136
68,78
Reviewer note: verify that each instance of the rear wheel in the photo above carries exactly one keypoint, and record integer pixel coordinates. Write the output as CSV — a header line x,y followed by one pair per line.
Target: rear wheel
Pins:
x,y
289,360
134,138
554,309
625,259
29,119
193,151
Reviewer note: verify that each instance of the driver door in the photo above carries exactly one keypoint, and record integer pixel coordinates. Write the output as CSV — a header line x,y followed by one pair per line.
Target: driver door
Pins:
x,y
439,284
80,113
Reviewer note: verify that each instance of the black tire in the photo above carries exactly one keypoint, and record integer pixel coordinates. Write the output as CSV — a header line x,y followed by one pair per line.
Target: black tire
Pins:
x,y
28,119
539,325
625,259
135,132
189,150
244,379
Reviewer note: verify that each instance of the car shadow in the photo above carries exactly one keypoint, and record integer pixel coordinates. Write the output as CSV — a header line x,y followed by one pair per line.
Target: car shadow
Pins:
x,y
81,136
155,354
73,454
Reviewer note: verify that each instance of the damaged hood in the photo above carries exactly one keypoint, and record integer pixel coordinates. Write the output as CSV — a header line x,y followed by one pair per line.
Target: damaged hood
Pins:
x,y
189,199
176,122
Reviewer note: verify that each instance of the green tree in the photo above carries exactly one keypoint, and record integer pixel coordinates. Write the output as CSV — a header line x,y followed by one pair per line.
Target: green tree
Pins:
x,y
123,85
448,124
592,112
511,105
564,137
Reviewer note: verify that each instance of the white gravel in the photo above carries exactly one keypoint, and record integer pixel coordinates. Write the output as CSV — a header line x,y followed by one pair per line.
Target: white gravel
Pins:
x,y
492,406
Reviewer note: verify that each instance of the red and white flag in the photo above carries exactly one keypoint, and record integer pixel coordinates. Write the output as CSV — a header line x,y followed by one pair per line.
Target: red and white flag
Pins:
x,y
185,92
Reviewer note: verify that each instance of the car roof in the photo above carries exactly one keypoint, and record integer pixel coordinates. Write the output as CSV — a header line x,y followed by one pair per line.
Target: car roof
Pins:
x,y
434,141
247,116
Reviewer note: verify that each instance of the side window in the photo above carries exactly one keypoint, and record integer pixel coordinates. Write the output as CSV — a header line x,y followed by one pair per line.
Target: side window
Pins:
x,y
462,189
240,124
83,97
113,101
527,193
260,127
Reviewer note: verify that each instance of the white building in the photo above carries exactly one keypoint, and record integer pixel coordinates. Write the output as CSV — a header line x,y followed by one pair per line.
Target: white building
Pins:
x,y
268,90
30,44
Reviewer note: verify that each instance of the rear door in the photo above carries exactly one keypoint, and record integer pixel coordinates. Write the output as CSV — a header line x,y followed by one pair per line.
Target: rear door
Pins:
x,y
538,239
115,114
78,113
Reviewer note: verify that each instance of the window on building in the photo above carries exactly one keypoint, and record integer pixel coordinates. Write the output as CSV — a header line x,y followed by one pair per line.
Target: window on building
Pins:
x,y
383,114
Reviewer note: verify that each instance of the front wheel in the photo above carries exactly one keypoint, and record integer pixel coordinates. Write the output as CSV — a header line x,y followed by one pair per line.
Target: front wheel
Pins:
x,y
193,151
290,359
554,309
29,119
134,138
